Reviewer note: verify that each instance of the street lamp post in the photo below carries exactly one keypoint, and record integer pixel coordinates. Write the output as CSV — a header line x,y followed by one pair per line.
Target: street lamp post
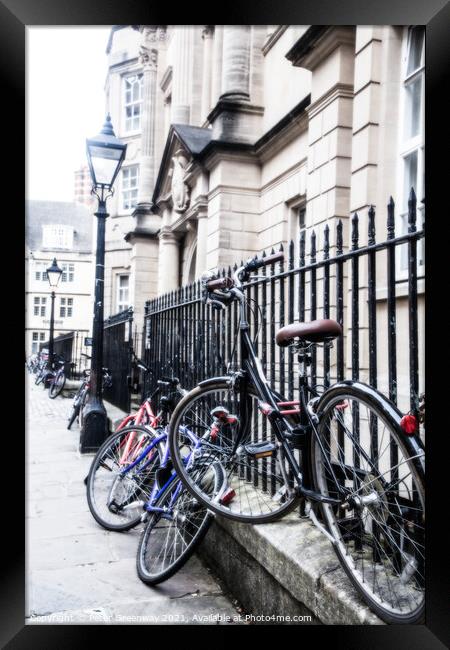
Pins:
x,y
105,154
54,274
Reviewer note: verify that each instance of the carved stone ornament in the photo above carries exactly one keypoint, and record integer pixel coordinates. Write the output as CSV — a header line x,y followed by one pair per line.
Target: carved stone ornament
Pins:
x,y
151,33
180,190
148,56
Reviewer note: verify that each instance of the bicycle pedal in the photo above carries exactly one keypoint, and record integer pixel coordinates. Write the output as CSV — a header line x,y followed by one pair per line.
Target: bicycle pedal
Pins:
x,y
114,507
260,449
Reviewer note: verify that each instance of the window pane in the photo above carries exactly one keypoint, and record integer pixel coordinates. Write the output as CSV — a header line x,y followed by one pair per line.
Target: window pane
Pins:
x,y
413,107
410,177
35,336
415,53
301,217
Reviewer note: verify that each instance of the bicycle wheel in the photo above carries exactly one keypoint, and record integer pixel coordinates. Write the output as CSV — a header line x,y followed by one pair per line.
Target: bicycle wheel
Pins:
x,y
114,497
361,451
40,377
171,537
57,385
83,401
73,414
76,405
233,430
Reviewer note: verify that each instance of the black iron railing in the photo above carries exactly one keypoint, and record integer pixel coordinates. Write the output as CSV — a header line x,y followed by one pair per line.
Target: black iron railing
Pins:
x,y
366,287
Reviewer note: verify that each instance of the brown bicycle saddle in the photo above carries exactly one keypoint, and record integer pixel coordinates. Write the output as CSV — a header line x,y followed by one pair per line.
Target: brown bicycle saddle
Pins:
x,y
316,331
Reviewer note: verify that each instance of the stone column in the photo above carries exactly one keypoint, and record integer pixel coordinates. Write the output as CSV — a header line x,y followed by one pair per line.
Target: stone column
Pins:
x,y
236,62
169,261
202,243
148,58
216,81
206,80
182,75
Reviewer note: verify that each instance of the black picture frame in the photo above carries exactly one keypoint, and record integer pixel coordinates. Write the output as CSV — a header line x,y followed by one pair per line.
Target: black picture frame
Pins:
x,y
15,16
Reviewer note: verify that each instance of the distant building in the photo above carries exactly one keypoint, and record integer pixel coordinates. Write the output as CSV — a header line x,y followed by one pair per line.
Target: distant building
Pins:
x,y
62,230
83,185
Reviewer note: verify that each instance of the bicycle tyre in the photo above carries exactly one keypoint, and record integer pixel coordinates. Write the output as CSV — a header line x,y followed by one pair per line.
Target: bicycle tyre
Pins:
x,y
73,415
83,400
76,405
147,543
287,500
386,525
40,378
93,494
57,385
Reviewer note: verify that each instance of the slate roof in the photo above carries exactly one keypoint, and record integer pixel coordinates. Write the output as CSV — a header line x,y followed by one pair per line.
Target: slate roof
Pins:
x,y
39,213
194,137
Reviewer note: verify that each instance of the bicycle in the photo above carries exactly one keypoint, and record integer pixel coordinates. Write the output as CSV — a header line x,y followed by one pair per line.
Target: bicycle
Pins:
x,y
32,363
56,379
41,369
82,395
134,432
361,464
131,480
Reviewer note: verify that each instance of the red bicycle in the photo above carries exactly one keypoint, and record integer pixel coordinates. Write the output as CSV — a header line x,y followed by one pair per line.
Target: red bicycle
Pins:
x,y
148,415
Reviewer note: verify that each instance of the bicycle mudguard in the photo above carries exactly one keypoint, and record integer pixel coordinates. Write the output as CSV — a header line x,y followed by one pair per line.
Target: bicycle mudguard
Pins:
x,y
215,380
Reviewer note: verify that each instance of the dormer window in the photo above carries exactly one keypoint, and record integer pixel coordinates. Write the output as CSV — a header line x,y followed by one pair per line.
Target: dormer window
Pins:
x,y
57,236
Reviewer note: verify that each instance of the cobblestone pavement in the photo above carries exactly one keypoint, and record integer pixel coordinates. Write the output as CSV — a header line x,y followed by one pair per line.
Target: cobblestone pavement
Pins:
x,y
77,572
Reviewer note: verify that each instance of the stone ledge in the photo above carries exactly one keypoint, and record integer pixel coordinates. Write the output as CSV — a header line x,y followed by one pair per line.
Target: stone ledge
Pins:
x,y
299,569
114,414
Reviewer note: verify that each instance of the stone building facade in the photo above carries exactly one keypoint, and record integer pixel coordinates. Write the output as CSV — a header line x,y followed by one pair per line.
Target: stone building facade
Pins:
x,y
241,136
82,188
62,230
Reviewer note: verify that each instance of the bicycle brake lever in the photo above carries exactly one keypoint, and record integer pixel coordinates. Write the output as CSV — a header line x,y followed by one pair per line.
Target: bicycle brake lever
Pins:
x,y
215,303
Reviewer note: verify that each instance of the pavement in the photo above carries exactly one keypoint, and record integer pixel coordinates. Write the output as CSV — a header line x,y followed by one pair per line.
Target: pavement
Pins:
x,y
79,573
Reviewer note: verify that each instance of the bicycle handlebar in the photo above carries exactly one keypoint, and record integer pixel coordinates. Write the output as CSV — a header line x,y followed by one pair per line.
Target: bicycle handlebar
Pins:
x,y
251,265
258,262
220,283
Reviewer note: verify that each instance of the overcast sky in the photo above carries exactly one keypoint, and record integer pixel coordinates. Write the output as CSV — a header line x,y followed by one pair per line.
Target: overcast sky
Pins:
x,y
66,71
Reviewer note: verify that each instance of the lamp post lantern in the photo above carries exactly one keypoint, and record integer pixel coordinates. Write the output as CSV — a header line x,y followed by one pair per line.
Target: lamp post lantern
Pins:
x,y
54,274
105,154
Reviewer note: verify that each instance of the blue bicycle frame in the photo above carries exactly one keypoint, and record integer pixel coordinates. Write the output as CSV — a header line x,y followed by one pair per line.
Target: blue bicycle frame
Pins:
x,y
156,490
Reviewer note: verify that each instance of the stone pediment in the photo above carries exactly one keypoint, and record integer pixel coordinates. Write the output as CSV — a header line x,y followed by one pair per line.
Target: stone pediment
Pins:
x,y
183,143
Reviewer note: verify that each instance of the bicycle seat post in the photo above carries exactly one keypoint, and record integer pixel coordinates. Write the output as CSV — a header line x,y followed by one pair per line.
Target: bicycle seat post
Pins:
x,y
304,360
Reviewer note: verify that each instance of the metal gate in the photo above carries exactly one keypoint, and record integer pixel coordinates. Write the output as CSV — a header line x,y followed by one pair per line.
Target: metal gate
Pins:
x,y
117,356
